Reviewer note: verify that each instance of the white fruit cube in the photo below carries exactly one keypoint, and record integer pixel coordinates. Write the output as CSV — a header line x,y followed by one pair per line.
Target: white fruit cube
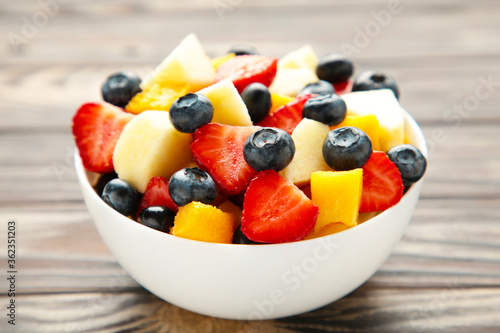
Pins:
x,y
305,57
289,81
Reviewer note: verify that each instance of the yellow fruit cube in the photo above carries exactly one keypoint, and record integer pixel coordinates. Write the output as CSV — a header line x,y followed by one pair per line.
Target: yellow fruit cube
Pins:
x,y
367,123
156,97
305,57
229,207
278,101
338,195
216,62
289,81
332,228
202,222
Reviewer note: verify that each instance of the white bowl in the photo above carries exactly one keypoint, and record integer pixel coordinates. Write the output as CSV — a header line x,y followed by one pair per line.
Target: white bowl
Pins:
x,y
247,282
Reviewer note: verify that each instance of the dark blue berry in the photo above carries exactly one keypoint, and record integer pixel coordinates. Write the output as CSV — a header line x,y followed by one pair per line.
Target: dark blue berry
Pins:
x,y
240,238
371,80
321,87
410,162
103,180
119,88
334,68
190,112
121,196
157,217
257,98
269,149
346,148
328,109
192,184
243,49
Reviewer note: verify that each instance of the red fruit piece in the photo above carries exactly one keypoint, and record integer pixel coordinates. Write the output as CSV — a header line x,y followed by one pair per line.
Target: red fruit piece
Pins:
x,y
342,88
96,128
276,211
382,184
246,69
218,149
288,116
157,195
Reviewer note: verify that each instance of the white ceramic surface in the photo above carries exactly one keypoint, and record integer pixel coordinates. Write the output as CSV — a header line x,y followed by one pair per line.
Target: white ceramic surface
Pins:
x,y
248,282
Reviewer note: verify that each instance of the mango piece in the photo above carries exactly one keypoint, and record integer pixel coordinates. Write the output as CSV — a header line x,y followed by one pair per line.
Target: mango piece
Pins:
x,y
229,207
330,229
156,97
216,62
278,101
367,123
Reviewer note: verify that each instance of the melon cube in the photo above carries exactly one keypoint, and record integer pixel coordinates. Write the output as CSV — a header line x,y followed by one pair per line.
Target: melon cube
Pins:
x,y
289,81
367,123
305,57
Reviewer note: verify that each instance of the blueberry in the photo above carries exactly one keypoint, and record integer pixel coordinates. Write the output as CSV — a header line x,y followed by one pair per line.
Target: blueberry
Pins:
x,y
121,196
119,88
334,68
320,87
157,217
243,49
346,148
190,112
103,180
269,148
257,98
410,162
371,80
328,109
192,184
240,238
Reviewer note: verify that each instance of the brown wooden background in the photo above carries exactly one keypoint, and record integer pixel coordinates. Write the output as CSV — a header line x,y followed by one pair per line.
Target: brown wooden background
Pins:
x,y
444,276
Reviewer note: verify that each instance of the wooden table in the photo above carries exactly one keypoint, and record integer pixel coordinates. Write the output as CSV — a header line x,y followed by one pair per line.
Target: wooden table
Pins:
x,y
444,276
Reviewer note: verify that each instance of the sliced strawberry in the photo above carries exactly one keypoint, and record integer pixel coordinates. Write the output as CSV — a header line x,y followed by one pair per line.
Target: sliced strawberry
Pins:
x,y
218,149
342,88
276,211
288,116
157,195
96,128
246,69
382,184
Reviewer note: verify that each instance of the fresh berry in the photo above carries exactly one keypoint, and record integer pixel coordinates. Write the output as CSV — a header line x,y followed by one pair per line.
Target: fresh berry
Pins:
x,y
328,109
288,116
218,149
119,88
257,98
243,49
320,87
342,88
121,196
192,184
96,128
157,194
371,80
382,184
157,217
346,148
190,112
276,211
247,69
103,180
334,68
240,238
410,162
269,149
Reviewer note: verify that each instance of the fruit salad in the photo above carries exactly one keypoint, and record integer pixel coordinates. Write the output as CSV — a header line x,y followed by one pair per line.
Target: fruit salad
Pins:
x,y
246,148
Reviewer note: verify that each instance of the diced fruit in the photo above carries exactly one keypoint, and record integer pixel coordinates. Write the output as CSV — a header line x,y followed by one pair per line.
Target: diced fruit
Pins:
x,y
269,149
229,108
216,62
330,229
121,196
367,123
319,87
382,184
334,68
410,162
157,195
338,196
190,112
342,88
330,109
119,88
243,49
308,137
246,69
305,57
346,148
384,105
258,101
96,128
186,64
278,101
363,217
202,222
156,97
288,116
276,211
372,80
229,207
218,149
192,184
102,180
157,217
289,81
240,238
150,146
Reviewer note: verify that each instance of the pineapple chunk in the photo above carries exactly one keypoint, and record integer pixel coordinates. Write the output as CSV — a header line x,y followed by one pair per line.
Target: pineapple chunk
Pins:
x,y
289,81
156,98
216,62
305,57
150,146
367,123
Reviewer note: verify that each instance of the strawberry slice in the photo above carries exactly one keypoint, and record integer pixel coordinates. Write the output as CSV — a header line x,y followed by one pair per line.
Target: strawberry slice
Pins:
x,y
246,69
218,149
96,128
276,211
342,88
382,184
157,195
288,116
